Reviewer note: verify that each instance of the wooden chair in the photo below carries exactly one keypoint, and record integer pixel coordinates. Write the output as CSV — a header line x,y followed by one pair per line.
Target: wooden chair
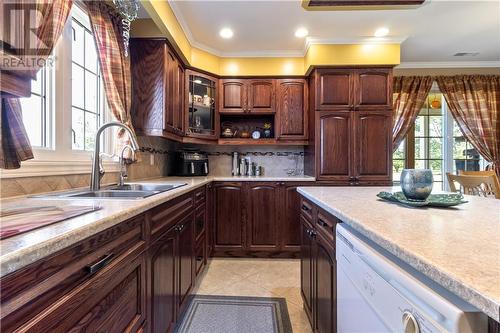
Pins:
x,y
475,185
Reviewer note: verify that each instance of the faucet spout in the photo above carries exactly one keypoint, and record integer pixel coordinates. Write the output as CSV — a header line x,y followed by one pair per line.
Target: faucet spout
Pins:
x,y
97,173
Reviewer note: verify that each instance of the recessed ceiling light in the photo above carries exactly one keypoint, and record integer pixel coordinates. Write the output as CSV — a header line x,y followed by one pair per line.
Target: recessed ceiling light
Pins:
x,y
381,32
226,33
301,32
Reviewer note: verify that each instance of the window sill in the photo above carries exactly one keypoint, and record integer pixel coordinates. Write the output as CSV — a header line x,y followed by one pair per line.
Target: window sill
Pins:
x,y
40,168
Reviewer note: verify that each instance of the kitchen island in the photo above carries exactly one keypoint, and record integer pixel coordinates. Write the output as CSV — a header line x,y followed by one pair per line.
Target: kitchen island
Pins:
x,y
459,247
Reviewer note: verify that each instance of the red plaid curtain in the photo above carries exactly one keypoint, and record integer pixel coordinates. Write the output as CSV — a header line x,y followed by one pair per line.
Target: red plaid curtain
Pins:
x,y
115,67
14,143
474,102
409,94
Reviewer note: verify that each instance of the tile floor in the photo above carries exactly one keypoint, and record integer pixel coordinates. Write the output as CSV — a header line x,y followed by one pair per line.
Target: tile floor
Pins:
x,y
257,277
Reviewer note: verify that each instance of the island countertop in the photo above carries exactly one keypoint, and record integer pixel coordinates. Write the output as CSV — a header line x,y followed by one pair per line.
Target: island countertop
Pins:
x,y
457,247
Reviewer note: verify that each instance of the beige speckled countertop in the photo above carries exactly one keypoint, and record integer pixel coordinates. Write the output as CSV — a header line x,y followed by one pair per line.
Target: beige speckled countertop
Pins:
x,y
459,247
21,250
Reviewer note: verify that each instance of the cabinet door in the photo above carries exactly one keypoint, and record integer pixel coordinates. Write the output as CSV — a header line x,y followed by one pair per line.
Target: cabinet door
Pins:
x,y
262,209
326,281
334,89
290,219
306,267
373,146
373,89
170,88
163,254
335,145
186,257
261,96
229,233
292,109
233,96
178,117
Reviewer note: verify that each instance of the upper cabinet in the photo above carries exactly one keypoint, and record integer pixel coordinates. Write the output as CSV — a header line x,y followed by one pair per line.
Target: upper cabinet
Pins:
x,y
201,102
240,96
373,89
157,88
334,89
292,108
365,88
233,96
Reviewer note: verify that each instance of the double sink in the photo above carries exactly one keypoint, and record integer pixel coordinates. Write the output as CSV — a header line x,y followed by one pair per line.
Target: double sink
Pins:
x,y
125,191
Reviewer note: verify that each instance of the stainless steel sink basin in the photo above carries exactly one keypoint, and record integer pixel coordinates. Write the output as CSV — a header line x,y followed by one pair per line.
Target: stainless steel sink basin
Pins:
x,y
113,194
144,187
126,191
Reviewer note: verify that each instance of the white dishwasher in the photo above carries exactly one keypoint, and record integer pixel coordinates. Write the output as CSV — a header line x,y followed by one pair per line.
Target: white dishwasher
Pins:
x,y
377,292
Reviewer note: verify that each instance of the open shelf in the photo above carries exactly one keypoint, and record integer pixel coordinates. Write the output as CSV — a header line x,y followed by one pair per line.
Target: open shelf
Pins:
x,y
261,142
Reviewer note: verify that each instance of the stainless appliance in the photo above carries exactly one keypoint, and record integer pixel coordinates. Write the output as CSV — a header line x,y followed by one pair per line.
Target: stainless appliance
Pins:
x,y
191,163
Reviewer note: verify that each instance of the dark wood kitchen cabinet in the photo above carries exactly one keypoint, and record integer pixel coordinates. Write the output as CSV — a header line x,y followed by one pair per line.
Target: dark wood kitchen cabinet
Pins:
x,y
292,108
263,216
256,219
238,96
157,88
228,224
352,119
336,145
318,268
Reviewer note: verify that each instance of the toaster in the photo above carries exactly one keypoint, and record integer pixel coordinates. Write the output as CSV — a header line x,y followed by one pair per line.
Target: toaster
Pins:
x,y
191,163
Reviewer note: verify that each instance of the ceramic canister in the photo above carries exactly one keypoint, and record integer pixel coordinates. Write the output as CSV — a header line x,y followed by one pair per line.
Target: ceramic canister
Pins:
x,y
416,183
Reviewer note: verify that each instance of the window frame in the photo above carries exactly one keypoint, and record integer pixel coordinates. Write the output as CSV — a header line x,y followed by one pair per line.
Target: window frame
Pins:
x,y
58,157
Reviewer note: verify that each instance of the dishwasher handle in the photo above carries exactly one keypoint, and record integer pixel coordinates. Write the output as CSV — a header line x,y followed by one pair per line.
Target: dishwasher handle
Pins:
x,y
410,323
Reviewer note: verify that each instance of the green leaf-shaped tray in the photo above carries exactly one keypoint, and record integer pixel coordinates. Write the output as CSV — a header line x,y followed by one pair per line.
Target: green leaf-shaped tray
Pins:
x,y
434,200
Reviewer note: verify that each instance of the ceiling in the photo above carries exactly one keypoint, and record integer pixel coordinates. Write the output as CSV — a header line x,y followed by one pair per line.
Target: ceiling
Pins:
x,y
431,33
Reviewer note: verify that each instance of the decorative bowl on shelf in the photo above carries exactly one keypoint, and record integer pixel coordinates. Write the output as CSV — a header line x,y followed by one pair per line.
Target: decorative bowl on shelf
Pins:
x,y
416,183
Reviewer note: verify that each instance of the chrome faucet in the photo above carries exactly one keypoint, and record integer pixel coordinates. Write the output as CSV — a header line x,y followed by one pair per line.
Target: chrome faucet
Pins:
x,y
97,168
123,166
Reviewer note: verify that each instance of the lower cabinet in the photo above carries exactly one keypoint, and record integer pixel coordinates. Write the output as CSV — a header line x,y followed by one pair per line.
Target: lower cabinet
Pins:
x,y
318,272
256,219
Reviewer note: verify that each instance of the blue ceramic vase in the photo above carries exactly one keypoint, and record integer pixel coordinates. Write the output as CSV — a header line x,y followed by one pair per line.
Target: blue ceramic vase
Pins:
x,y
416,183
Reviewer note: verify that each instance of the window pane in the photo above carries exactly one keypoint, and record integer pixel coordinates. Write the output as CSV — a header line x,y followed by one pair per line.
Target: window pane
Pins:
x,y
397,168
436,167
456,129
77,87
420,151
78,43
90,53
419,126
91,90
36,85
435,148
90,130
459,147
419,164
435,126
32,119
78,128
400,152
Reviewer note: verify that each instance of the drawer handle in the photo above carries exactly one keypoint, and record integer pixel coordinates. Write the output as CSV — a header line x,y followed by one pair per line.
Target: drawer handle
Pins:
x,y
322,223
305,208
91,269
199,258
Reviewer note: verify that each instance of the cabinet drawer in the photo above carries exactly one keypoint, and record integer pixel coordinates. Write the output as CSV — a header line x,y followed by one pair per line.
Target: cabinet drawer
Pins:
x,y
167,215
307,209
326,224
32,290
114,300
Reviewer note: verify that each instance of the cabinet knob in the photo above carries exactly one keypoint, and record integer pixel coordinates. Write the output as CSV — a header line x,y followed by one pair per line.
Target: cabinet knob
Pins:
x,y
322,223
305,208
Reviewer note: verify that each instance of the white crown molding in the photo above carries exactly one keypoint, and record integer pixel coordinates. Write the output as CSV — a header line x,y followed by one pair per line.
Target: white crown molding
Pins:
x,y
450,64
277,53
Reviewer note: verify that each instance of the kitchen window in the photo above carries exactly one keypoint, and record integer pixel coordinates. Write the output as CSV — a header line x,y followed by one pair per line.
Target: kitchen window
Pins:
x,y
67,106
435,142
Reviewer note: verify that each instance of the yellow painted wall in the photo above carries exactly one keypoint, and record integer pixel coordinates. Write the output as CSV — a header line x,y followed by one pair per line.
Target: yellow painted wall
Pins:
x,y
332,54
